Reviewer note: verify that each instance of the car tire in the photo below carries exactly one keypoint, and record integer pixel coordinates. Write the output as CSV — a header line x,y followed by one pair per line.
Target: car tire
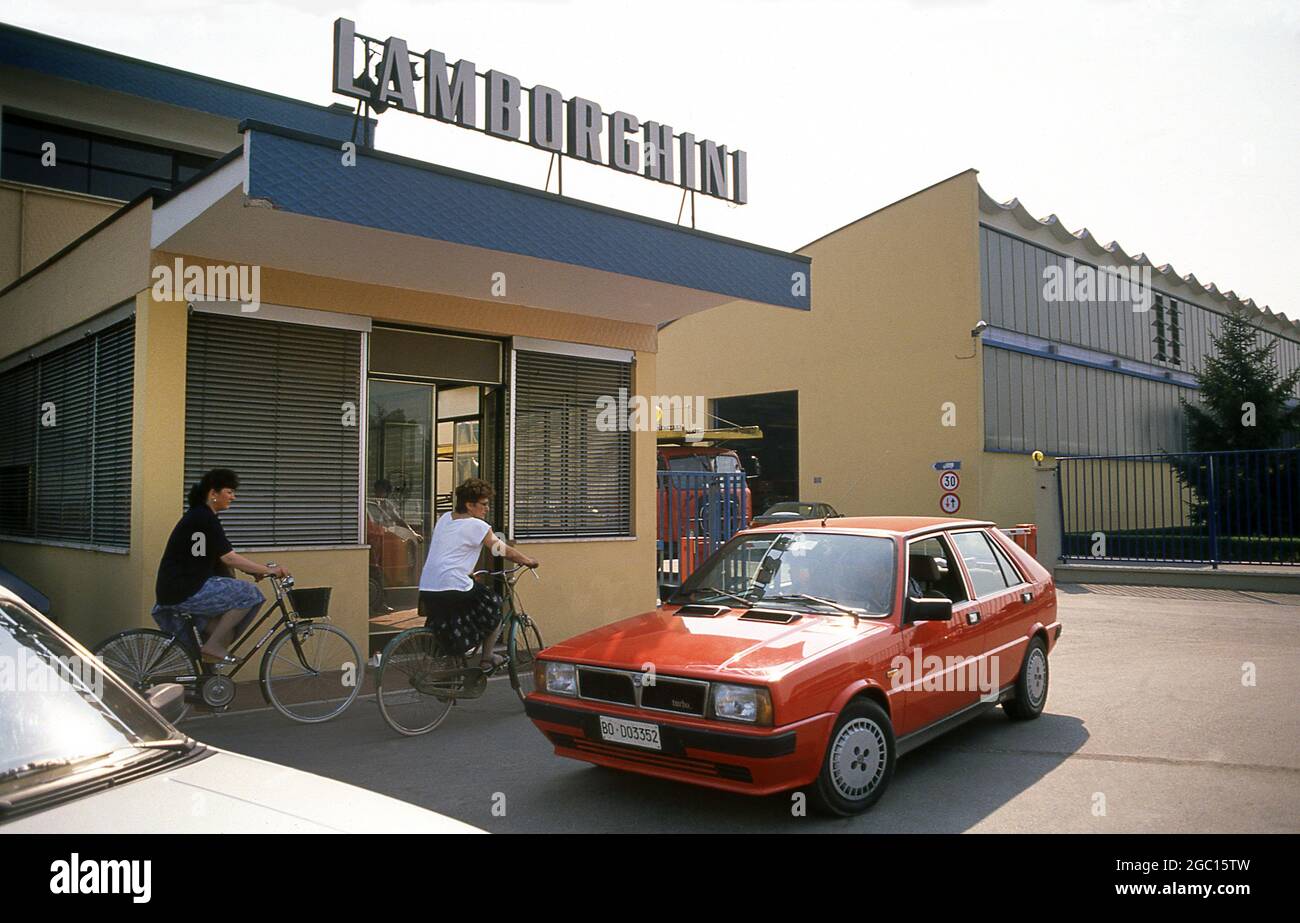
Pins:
x,y
859,761
1031,686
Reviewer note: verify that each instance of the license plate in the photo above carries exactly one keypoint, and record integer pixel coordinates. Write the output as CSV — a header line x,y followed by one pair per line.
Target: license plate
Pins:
x,y
633,733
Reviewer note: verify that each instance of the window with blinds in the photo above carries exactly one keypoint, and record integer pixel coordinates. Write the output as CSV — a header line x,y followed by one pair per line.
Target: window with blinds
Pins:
x,y
281,405
570,479
65,461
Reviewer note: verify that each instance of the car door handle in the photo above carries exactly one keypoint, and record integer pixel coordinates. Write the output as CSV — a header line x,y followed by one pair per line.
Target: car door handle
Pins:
x,y
1026,597
972,618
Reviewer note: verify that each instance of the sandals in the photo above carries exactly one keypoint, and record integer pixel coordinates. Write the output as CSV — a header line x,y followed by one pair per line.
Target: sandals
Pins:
x,y
214,659
496,662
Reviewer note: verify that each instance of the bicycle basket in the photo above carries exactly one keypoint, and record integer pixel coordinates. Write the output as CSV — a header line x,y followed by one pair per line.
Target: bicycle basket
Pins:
x,y
311,602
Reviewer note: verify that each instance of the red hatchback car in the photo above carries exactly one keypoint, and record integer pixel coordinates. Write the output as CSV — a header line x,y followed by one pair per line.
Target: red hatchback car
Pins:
x,y
809,655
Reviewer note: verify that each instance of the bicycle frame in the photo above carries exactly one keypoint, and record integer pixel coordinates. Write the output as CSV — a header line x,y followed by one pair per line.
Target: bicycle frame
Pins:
x,y
287,619
509,599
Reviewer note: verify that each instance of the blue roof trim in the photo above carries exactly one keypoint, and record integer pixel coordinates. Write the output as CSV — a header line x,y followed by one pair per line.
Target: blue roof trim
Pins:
x,y
306,176
59,58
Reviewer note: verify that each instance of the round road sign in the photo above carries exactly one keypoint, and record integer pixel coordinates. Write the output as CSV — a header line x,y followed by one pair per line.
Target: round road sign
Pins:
x,y
950,503
949,481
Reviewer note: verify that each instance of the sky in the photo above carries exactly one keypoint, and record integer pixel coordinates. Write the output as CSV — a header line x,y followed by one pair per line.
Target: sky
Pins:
x,y
1170,127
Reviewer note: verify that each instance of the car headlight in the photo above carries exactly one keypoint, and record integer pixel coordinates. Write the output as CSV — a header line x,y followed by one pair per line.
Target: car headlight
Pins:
x,y
750,704
558,678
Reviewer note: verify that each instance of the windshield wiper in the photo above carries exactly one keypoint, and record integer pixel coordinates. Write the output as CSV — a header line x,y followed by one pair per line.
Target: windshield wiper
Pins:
x,y
848,610
171,743
743,600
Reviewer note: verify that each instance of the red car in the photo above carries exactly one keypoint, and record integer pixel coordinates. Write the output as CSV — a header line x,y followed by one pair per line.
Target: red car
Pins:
x,y
803,656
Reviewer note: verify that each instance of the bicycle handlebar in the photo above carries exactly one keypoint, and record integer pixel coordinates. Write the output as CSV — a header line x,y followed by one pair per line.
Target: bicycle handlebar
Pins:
x,y
506,573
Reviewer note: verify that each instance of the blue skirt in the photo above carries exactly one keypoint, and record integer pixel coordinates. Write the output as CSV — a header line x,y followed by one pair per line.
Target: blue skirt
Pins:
x,y
218,595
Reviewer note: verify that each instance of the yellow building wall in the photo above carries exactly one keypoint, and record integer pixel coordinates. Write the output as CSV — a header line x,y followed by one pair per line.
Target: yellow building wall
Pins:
x,y
894,297
36,223
95,276
1007,485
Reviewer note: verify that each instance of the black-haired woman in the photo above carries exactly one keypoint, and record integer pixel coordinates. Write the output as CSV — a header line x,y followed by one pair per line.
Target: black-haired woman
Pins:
x,y
189,578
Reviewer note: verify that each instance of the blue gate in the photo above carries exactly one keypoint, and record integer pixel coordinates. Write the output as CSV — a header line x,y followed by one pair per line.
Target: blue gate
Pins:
x,y
697,512
1240,507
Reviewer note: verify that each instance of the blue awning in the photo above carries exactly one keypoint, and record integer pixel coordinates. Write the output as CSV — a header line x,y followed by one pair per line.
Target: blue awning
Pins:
x,y
304,175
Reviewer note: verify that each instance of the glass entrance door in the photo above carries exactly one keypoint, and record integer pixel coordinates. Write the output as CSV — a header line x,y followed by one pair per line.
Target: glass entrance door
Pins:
x,y
399,491
423,440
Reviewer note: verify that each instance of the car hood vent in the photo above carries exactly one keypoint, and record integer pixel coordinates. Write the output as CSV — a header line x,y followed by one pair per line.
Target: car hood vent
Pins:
x,y
782,616
703,612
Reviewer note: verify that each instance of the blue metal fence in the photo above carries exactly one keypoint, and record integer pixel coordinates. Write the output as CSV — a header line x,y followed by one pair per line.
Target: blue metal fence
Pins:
x,y
697,512
1240,507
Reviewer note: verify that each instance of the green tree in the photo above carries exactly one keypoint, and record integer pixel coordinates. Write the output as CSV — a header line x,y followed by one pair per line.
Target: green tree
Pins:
x,y
1244,396
1245,402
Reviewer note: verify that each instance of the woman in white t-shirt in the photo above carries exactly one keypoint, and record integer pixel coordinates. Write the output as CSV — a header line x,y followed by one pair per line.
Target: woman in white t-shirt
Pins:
x,y
460,611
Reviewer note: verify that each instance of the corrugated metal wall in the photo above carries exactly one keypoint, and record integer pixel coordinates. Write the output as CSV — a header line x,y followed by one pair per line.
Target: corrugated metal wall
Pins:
x,y
1065,409
1033,402
1013,280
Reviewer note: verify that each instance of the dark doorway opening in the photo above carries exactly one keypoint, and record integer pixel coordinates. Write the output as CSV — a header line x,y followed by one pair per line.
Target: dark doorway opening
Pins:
x,y
777,453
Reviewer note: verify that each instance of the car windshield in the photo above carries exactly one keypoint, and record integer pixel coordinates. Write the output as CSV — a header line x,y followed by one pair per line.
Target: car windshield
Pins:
x,y
688,463
56,708
788,567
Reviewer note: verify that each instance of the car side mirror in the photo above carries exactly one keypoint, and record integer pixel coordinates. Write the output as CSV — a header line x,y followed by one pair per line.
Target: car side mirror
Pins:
x,y
168,699
928,610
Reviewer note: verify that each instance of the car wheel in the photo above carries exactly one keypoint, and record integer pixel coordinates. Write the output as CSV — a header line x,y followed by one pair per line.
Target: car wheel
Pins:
x,y
859,760
1031,685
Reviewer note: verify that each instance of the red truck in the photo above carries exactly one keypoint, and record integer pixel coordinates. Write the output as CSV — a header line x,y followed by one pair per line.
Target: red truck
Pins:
x,y
695,505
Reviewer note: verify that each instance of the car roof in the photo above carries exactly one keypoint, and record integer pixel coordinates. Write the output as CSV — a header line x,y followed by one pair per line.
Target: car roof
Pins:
x,y
893,525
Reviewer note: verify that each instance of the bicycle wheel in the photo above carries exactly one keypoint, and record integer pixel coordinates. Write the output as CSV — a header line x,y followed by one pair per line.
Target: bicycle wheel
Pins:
x,y
146,657
522,647
312,672
417,683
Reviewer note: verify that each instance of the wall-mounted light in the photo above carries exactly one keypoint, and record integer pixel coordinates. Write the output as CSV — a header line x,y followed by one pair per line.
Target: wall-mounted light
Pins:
x,y
975,333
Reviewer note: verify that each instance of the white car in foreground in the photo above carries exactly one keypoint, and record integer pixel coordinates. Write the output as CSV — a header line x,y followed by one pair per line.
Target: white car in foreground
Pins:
x,y
80,752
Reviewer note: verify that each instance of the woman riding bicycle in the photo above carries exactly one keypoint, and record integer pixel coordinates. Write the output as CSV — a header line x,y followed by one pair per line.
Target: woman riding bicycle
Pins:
x,y
460,611
189,575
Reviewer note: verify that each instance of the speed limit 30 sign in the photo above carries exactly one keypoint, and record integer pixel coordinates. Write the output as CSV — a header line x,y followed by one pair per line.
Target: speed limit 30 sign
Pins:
x,y
949,481
950,503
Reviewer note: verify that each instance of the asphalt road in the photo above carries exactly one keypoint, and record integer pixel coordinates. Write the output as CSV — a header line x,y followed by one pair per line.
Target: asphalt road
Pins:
x,y
1148,728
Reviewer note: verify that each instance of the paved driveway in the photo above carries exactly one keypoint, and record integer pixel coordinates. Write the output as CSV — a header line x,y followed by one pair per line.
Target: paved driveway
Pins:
x,y
1148,727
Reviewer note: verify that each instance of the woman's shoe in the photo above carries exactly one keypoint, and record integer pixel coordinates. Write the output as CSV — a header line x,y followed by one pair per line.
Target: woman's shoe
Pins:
x,y
494,663
217,659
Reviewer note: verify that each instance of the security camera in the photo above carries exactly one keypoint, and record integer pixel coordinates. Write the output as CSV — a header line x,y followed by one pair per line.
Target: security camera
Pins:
x,y
979,328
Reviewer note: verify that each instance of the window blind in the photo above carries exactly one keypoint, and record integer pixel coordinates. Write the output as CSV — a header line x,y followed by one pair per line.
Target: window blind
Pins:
x,y
281,405
570,479
65,464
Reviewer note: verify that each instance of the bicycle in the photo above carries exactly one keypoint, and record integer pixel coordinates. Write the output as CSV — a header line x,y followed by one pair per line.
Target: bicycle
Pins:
x,y
418,683
310,673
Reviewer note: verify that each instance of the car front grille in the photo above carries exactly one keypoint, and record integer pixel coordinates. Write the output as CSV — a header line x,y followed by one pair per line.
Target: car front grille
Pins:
x,y
671,695
624,687
606,686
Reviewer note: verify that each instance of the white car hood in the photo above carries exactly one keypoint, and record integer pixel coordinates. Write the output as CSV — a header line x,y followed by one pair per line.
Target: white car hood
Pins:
x,y
228,793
